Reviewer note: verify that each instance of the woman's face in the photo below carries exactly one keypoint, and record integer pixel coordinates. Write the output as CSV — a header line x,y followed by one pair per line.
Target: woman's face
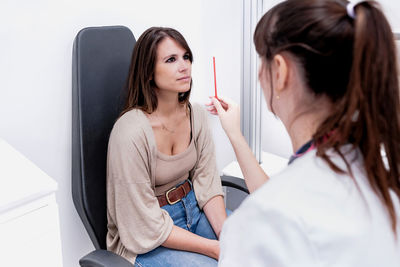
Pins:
x,y
173,68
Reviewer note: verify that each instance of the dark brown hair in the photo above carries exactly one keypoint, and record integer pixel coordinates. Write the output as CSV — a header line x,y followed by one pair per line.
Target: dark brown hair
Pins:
x,y
353,62
140,86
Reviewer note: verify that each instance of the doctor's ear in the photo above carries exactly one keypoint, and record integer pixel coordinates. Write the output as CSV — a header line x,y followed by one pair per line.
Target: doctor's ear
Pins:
x,y
280,72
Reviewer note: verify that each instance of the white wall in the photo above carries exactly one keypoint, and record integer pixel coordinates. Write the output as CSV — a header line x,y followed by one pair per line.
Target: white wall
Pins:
x,y
274,136
35,70
391,8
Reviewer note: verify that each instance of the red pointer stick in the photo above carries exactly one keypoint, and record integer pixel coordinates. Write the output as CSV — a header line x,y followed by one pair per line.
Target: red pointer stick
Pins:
x,y
215,79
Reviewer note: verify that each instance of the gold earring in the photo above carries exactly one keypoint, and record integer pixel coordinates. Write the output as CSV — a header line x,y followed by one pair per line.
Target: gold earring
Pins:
x,y
277,97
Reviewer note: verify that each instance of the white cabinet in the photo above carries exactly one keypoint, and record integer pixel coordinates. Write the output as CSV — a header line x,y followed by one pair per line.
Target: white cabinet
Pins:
x,y
29,221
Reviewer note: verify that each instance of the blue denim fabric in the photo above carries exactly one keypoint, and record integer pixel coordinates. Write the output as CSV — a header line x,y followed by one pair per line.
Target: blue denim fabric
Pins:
x,y
187,215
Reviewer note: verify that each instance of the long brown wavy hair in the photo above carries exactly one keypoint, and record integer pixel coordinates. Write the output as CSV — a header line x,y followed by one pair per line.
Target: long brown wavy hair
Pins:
x,y
353,62
140,86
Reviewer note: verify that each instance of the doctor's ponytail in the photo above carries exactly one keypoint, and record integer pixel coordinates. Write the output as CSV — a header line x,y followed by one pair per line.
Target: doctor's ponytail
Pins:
x,y
372,115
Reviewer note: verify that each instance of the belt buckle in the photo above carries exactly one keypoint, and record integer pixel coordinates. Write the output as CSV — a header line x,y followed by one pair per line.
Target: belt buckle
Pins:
x,y
167,197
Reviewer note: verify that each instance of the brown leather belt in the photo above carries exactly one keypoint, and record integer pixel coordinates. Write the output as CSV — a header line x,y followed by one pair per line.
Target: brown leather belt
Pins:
x,y
174,194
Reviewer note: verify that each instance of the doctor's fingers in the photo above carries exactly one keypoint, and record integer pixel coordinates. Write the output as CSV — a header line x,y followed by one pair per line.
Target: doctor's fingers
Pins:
x,y
212,110
217,105
227,103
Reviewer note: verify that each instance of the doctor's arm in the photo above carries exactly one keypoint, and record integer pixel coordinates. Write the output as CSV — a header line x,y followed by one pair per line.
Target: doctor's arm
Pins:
x,y
229,115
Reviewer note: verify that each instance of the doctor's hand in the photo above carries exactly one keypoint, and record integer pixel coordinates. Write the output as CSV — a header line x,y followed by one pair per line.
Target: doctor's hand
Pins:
x,y
229,114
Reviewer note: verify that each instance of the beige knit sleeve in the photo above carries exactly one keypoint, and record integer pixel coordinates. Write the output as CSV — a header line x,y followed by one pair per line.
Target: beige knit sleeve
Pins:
x,y
136,223
206,180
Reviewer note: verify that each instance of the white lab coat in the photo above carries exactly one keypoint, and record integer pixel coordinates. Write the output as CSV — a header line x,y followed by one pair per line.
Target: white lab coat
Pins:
x,y
309,216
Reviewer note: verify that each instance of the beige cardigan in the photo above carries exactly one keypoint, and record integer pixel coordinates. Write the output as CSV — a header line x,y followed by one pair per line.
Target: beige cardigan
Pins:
x,y
136,223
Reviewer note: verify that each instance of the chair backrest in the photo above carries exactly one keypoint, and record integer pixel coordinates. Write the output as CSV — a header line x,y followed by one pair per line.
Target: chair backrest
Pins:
x,y
100,65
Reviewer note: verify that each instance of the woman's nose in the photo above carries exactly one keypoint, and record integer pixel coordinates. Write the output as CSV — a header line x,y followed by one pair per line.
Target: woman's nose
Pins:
x,y
184,65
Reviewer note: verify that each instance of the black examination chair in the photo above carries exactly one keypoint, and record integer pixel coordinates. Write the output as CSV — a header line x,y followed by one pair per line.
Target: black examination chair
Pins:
x,y
100,64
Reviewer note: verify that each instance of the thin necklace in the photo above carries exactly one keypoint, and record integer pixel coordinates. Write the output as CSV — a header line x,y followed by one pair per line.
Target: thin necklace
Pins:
x,y
165,128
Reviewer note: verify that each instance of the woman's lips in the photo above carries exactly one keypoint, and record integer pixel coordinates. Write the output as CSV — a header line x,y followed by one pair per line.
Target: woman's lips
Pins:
x,y
185,79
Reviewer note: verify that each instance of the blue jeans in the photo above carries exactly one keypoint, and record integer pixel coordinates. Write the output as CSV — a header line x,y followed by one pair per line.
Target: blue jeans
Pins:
x,y
187,215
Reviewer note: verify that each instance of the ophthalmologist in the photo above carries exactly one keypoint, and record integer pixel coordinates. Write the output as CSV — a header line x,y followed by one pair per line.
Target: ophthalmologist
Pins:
x,y
329,73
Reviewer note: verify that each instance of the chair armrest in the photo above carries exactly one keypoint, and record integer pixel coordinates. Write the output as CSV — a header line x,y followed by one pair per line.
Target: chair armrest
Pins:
x,y
104,258
234,182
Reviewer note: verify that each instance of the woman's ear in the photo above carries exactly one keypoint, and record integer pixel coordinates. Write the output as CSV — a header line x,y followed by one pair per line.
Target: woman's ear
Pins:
x,y
280,73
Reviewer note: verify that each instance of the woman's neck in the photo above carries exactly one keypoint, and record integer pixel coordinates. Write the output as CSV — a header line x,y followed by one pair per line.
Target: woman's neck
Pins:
x,y
167,103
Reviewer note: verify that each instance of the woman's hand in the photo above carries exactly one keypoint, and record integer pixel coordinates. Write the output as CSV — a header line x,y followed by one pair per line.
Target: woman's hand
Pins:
x,y
229,114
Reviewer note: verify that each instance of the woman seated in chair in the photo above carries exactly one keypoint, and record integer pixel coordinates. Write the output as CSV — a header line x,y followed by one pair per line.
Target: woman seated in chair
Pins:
x,y
164,196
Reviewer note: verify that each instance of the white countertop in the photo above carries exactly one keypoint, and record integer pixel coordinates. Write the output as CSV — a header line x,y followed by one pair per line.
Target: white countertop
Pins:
x,y
21,181
271,164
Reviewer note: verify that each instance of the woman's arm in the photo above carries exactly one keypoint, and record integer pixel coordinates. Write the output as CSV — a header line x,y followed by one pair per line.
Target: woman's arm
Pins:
x,y
182,239
215,213
229,115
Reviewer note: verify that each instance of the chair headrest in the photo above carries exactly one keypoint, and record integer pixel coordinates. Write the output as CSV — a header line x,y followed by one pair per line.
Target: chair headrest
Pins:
x,y
101,58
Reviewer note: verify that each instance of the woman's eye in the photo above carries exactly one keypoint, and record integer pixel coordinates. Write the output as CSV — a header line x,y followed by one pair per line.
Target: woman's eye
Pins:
x,y
171,59
186,57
